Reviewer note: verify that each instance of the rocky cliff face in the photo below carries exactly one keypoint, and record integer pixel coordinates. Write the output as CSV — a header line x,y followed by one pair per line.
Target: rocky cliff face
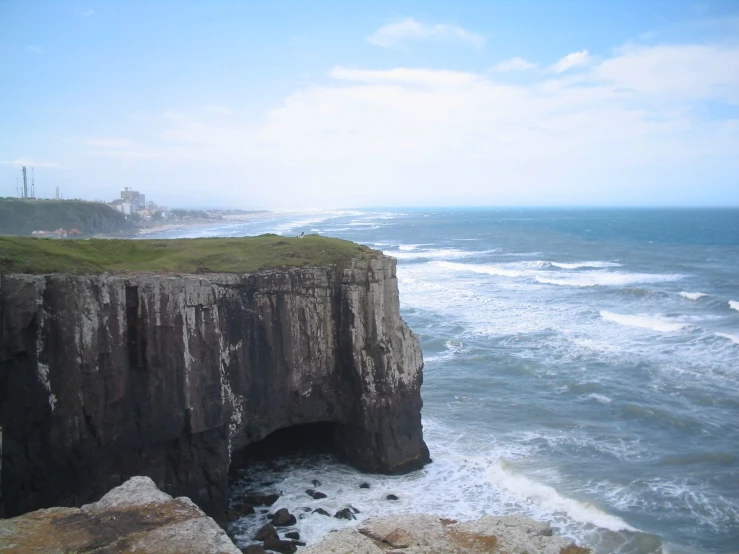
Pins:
x,y
106,377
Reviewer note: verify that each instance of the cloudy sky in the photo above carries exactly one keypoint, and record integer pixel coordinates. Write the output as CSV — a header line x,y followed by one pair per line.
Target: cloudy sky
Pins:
x,y
314,104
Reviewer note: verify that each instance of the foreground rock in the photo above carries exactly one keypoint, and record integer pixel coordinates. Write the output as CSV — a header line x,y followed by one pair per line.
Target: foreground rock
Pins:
x,y
134,517
109,376
424,534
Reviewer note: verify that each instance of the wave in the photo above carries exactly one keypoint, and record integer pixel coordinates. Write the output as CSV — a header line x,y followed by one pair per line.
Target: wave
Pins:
x,y
408,253
734,305
576,279
642,322
605,278
603,399
692,295
578,265
548,498
732,338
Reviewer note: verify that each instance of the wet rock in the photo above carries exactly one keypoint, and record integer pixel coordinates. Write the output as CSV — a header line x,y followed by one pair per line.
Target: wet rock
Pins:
x,y
345,513
315,494
244,509
283,518
316,483
353,509
265,532
321,511
283,547
391,497
253,549
232,515
364,486
260,499
306,509
293,535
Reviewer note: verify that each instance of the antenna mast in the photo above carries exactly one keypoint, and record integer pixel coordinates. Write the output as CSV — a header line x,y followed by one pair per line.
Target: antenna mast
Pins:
x,y
25,184
33,185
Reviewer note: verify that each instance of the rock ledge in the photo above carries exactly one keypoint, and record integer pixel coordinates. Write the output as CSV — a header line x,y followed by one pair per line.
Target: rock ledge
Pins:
x,y
134,517
426,534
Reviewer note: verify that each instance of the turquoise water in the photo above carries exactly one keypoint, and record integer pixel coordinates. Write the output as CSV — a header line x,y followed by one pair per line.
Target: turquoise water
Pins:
x,y
581,366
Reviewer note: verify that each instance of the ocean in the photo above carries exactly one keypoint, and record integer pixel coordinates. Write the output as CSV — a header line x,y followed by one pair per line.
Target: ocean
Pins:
x,y
581,367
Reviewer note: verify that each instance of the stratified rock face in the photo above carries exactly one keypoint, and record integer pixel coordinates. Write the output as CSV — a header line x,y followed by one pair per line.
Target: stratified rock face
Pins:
x,y
135,517
106,377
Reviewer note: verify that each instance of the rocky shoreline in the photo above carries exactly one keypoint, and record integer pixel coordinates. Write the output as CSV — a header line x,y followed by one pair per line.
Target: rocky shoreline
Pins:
x,y
137,517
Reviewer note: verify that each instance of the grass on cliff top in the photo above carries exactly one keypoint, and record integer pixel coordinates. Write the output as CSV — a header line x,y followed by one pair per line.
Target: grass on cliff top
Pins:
x,y
208,255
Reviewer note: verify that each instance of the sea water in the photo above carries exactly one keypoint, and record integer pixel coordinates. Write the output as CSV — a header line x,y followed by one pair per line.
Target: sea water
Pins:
x,y
581,367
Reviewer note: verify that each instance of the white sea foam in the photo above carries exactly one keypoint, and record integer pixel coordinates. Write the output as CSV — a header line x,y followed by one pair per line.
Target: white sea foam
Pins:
x,y
604,278
573,279
438,253
692,295
734,305
529,491
652,323
578,265
732,338
603,399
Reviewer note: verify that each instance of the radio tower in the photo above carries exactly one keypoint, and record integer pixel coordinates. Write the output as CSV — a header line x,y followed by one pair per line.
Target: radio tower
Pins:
x,y
33,186
25,184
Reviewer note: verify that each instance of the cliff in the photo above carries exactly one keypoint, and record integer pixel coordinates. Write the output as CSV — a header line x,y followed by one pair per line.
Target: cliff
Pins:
x,y
103,377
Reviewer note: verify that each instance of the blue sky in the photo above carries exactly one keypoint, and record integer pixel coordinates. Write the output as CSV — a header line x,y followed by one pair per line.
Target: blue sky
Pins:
x,y
344,104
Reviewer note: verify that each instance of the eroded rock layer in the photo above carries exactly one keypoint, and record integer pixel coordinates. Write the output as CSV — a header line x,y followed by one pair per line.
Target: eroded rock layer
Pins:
x,y
106,377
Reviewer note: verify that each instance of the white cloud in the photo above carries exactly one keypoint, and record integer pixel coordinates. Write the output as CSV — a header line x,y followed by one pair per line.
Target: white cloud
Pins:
x,y
118,148
428,77
218,110
514,64
409,29
687,71
626,129
571,60
87,13
35,49
30,162
110,143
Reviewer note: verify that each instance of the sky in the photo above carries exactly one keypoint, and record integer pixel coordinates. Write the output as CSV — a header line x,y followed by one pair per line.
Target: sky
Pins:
x,y
317,104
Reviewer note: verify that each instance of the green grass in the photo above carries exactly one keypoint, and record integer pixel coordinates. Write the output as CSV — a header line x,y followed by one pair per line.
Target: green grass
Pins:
x,y
211,255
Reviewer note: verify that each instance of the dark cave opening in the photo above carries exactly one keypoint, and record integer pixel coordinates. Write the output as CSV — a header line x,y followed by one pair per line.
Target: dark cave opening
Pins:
x,y
297,441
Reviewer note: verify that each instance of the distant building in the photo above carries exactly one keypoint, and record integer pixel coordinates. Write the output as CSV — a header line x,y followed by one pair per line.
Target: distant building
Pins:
x,y
134,197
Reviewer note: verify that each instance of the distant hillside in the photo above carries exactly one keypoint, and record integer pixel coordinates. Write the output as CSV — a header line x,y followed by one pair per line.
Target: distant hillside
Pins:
x,y
21,217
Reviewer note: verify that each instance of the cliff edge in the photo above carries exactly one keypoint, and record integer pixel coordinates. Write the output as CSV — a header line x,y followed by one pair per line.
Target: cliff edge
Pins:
x,y
103,377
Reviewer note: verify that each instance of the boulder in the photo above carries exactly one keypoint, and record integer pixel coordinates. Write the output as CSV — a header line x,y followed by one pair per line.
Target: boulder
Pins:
x,y
265,532
260,499
321,511
134,517
253,549
345,513
283,518
315,494
283,547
